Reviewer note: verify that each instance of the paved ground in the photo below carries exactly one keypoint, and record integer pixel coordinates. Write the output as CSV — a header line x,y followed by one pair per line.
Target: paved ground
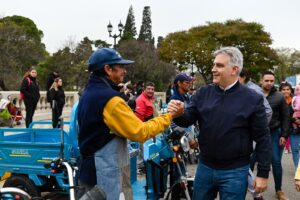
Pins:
x,y
287,182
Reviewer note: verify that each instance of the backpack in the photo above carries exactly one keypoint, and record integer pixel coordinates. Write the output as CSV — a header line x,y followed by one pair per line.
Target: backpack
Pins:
x,y
22,97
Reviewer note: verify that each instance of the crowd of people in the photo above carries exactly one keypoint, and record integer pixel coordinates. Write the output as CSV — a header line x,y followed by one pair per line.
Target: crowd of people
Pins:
x,y
242,124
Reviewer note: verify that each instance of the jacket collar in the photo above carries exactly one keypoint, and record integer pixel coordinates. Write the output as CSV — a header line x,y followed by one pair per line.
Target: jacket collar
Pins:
x,y
229,90
100,79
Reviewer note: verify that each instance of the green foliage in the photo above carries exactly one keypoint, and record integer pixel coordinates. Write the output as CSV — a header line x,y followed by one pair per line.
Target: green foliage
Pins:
x,y
159,40
146,27
196,46
147,66
31,29
20,48
290,63
129,29
101,44
59,62
71,65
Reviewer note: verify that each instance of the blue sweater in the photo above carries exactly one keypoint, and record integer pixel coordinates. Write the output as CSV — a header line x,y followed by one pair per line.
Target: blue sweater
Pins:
x,y
229,122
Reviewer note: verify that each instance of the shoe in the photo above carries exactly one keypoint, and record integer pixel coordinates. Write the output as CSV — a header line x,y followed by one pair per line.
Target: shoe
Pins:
x,y
281,196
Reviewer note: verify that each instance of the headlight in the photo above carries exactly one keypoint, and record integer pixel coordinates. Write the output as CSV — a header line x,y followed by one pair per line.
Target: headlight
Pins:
x,y
184,142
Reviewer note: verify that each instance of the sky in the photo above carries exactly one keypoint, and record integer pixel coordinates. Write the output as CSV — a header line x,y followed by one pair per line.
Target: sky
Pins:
x,y
65,20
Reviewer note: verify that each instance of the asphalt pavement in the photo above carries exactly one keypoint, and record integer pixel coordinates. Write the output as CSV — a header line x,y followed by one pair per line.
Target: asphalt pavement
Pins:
x,y
288,186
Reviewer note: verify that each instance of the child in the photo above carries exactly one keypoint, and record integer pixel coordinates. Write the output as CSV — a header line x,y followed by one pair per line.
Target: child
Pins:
x,y
296,105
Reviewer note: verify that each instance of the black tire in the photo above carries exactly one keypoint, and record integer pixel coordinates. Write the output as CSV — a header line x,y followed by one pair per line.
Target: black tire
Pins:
x,y
24,183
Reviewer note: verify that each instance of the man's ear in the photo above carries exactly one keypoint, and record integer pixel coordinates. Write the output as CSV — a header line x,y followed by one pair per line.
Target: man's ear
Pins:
x,y
107,69
235,70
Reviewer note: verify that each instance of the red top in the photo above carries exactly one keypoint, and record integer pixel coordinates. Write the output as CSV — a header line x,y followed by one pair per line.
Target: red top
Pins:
x,y
144,107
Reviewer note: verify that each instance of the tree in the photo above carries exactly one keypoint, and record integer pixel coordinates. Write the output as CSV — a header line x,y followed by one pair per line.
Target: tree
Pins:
x,y
79,68
146,27
290,63
71,62
60,62
147,66
20,48
101,44
159,40
31,29
295,60
196,46
129,29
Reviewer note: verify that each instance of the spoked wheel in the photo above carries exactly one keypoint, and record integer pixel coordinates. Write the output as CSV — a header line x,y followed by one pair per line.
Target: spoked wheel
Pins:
x,y
24,183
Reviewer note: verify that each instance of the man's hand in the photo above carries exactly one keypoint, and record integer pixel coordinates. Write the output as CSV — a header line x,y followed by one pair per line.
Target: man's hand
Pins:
x,y
175,108
260,184
282,141
297,184
297,121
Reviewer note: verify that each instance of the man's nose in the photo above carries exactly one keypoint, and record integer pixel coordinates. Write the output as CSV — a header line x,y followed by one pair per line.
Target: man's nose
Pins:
x,y
213,68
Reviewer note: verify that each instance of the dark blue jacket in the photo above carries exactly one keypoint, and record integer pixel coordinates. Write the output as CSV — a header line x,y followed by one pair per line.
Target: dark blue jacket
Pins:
x,y
93,132
229,122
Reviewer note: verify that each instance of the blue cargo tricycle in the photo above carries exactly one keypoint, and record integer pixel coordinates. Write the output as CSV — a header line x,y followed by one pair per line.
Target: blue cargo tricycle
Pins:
x,y
25,153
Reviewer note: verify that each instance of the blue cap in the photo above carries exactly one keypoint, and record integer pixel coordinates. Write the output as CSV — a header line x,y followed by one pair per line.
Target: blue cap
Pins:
x,y
106,56
182,77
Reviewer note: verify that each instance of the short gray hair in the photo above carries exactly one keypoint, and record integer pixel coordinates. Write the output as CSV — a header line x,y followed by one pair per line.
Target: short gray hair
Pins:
x,y
236,57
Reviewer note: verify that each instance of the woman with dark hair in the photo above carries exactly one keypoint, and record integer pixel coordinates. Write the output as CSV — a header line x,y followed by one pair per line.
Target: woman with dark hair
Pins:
x,y
30,93
286,89
57,97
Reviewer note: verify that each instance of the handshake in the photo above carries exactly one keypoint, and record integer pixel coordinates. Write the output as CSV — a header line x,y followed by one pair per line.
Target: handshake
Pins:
x,y
175,108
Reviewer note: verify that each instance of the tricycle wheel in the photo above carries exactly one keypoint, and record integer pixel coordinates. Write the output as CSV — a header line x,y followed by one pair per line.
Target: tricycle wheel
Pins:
x,y
24,183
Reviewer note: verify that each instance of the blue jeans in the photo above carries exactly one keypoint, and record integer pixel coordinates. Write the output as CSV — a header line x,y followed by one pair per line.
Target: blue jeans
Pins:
x,y
277,151
231,184
295,146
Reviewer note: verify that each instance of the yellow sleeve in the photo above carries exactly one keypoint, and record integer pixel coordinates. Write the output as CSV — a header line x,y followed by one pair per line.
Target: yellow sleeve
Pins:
x,y
297,175
122,121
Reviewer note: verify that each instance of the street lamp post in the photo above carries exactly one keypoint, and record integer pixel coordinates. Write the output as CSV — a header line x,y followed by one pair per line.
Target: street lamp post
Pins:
x,y
115,36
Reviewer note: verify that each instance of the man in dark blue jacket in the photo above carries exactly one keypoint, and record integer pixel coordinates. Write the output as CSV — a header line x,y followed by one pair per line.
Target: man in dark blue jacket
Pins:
x,y
230,117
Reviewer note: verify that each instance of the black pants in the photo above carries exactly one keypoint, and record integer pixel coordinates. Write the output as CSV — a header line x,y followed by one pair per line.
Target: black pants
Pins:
x,y
30,107
56,113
